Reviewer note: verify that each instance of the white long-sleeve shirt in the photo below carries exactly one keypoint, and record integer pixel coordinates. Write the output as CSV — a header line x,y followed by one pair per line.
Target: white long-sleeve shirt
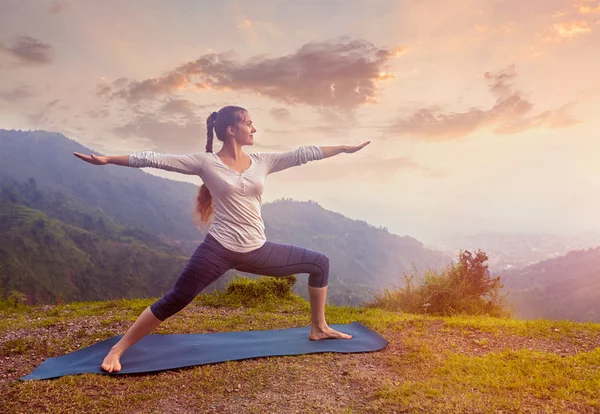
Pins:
x,y
237,197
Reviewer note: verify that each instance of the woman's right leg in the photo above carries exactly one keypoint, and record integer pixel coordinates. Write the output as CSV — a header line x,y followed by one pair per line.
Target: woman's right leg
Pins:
x,y
275,259
203,268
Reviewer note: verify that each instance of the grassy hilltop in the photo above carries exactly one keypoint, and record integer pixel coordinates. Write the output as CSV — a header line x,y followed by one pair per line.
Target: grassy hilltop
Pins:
x,y
474,364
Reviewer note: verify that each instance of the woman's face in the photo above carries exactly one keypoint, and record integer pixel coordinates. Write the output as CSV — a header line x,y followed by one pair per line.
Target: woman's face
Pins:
x,y
245,130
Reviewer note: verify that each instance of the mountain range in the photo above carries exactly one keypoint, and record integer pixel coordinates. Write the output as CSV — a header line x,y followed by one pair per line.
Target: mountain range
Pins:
x,y
565,287
84,232
364,259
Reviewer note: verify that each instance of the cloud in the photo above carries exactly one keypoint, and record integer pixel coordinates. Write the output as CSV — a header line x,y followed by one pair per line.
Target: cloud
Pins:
x,y
182,107
39,119
154,88
99,113
58,6
585,9
510,114
558,118
572,29
104,89
337,117
344,75
18,93
29,51
165,135
333,122
281,114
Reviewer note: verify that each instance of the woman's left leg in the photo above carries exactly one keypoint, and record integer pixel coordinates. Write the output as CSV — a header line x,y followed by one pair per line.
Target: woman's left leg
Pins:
x,y
274,259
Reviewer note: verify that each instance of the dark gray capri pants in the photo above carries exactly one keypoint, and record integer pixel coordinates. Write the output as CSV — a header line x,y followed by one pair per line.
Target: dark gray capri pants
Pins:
x,y
211,260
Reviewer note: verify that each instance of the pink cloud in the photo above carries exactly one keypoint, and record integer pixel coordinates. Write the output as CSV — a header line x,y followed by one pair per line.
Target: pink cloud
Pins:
x,y
17,93
29,51
58,6
281,114
585,9
165,135
511,113
338,75
572,29
182,107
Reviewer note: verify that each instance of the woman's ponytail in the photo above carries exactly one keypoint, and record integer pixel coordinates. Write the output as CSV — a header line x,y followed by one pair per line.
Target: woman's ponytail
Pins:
x,y
204,202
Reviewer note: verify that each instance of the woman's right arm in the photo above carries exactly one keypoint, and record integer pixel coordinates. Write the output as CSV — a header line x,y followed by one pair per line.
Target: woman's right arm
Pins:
x,y
104,159
186,164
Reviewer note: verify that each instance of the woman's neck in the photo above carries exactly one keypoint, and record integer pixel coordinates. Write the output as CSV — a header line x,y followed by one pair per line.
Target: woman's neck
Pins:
x,y
232,150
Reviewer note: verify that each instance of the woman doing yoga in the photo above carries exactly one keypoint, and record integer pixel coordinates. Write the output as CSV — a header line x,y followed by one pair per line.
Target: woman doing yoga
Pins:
x,y
230,201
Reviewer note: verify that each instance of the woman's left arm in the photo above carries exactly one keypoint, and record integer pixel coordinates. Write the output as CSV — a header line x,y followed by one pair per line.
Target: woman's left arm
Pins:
x,y
279,161
331,151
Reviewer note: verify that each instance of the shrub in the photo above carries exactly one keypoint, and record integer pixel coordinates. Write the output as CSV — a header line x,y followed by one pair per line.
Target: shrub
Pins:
x,y
250,289
243,291
463,288
16,299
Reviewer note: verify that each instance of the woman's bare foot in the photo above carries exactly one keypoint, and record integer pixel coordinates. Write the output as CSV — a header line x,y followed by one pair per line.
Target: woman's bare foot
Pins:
x,y
112,362
317,334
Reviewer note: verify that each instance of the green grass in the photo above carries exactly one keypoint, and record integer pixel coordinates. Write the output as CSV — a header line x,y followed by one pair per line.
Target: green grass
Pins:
x,y
428,366
502,380
529,328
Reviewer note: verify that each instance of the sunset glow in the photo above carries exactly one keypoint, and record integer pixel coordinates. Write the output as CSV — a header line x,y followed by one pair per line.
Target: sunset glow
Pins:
x,y
481,115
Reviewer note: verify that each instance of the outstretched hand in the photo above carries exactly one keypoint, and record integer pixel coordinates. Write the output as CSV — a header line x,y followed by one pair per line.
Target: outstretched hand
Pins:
x,y
92,159
350,150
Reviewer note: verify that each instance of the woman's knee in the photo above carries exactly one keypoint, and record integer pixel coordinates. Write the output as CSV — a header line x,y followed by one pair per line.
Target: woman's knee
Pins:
x,y
320,278
170,304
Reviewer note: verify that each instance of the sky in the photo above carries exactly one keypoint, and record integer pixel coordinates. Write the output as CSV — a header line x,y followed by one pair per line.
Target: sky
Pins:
x,y
482,114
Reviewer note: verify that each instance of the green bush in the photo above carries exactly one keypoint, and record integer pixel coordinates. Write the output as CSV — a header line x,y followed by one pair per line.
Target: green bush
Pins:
x,y
462,288
16,299
243,291
250,289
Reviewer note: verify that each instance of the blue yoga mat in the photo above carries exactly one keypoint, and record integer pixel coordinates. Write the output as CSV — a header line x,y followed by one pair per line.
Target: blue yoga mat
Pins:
x,y
162,352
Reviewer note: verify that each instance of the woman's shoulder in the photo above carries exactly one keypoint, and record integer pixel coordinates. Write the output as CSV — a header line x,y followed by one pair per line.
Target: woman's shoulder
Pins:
x,y
258,155
202,156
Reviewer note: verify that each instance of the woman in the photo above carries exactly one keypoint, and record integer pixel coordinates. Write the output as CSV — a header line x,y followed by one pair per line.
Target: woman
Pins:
x,y
236,238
